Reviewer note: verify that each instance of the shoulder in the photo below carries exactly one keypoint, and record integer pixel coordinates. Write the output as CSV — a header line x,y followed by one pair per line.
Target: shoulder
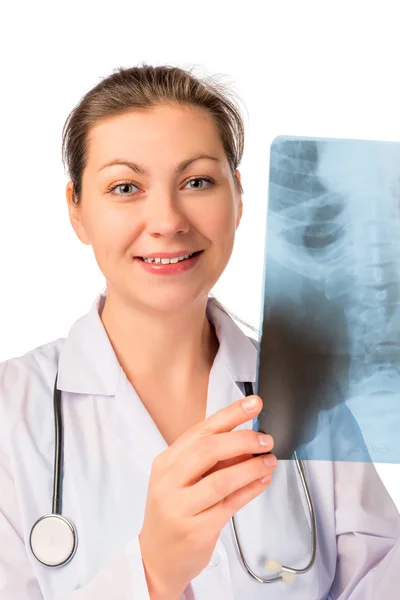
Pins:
x,y
36,362
25,380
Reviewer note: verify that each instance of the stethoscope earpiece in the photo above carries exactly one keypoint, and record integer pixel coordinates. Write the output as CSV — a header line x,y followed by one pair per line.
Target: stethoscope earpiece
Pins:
x,y
273,565
53,540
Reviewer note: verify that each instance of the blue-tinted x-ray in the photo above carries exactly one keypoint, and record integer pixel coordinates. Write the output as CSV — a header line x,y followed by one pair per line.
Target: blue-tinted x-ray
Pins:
x,y
329,362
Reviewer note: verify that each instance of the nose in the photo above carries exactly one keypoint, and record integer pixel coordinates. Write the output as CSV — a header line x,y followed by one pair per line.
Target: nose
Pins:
x,y
165,215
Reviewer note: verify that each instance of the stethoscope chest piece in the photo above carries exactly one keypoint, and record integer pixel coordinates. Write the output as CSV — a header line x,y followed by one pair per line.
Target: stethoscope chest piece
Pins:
x,y
53,540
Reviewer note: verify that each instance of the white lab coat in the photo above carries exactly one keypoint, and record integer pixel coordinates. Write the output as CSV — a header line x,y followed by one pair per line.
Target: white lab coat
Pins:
x,y
110,442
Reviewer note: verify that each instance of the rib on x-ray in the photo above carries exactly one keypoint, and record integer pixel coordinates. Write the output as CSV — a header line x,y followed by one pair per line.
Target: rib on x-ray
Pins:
x,y
329,363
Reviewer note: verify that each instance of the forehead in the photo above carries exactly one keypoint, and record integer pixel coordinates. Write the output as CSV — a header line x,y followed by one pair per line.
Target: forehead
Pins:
x,y
147,133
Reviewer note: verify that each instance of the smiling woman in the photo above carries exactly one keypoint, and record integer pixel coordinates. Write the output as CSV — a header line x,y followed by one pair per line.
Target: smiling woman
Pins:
x,y
154,152
160,452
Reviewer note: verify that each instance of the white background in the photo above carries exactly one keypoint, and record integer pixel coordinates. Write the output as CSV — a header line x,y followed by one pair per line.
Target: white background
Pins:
x,y
314,68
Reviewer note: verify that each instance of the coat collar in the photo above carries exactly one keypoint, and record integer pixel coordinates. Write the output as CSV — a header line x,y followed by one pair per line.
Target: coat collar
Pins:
x,y
88,364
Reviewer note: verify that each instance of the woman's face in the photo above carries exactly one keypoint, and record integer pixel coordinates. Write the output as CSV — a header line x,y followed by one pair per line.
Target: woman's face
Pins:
x,y
126,215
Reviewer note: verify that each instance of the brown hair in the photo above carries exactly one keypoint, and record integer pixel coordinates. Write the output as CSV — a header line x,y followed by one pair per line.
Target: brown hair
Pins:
x,y
145,87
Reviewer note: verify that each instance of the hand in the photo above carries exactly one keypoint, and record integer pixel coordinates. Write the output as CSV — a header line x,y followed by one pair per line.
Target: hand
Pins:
x,y
192,494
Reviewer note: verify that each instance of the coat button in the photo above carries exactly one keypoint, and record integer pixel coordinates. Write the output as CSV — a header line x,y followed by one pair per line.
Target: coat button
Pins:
x,y
214,559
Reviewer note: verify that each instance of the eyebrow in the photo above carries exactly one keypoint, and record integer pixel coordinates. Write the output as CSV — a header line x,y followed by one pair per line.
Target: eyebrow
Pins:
x,y
143,171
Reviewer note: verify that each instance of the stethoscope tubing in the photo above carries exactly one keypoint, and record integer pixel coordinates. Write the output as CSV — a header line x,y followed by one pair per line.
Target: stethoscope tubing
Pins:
x,y
58,454
249,392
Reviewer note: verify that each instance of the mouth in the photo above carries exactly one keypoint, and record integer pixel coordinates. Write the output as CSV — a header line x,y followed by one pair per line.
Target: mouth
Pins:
x,y
167,261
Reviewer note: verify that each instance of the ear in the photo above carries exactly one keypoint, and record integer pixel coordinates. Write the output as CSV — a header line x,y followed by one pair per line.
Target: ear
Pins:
x,y
75,215
240,203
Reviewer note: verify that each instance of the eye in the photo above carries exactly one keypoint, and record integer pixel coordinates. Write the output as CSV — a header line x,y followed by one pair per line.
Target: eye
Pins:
x,y
209,179
123,184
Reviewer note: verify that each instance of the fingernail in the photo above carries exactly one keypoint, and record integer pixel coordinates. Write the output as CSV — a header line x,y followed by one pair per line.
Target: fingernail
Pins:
x,y
266,478
270,460
265,439
249,403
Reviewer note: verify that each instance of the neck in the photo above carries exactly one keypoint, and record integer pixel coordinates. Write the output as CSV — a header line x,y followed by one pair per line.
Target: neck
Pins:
x,y
176,349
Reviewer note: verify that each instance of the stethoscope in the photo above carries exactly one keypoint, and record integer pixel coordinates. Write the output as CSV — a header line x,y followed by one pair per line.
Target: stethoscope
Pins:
x,y
54,540
283,572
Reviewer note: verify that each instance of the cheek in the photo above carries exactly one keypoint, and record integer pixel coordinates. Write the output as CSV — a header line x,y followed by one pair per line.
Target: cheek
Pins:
x,y
110,232
216,219
220,224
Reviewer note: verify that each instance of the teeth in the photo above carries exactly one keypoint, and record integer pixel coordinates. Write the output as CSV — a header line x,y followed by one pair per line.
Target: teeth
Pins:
x,y
167,261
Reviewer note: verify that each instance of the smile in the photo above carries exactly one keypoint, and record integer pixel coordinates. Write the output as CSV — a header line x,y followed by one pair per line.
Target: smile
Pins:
x,y
163,265
167,261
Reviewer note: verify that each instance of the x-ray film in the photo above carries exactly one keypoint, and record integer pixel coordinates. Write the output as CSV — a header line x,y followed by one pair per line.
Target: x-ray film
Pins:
x,y
329,360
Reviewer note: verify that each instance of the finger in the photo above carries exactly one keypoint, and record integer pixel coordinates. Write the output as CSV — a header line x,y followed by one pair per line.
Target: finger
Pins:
x,y
215,488
222,464
230,416
223,420
229,462
206,452
234,502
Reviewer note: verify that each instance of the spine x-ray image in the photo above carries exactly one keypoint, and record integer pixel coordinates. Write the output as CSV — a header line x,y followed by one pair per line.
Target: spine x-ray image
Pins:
x,y
329,362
